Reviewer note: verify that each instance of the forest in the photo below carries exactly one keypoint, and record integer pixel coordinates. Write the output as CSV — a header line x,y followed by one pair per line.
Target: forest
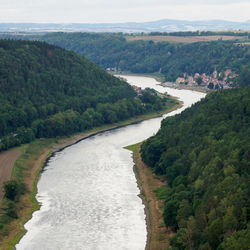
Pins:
x,y
204,155
46,91
110,50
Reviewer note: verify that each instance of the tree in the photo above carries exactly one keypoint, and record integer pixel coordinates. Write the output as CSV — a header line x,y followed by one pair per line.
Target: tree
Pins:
x,y
210,85
170,213
237,241
199,80
11,189
215,233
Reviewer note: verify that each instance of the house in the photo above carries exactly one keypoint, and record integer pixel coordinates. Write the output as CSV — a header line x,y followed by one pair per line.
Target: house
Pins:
x,y
191,80
196,75
227,72
180,80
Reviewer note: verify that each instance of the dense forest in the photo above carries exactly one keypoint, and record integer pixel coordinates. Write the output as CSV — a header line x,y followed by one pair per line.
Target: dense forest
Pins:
x,y
114,51
46,91
204,154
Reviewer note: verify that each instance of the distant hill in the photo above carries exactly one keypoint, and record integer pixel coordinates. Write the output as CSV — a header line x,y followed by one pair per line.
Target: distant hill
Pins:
x,y
171,59
204,155
144,54
46,91
165,25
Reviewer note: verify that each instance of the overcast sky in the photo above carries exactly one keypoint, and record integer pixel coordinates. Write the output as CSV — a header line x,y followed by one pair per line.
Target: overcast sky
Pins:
x,y
103,11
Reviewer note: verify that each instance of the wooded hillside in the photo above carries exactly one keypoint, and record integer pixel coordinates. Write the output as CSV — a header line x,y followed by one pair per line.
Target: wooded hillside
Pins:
x,y
110,50
117,51
204,154
46,91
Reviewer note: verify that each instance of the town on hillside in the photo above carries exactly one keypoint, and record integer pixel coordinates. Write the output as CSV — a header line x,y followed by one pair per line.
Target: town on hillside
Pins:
x,y
222,80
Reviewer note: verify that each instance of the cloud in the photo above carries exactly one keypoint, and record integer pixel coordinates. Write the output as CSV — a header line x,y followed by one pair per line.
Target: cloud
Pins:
x,y
120,10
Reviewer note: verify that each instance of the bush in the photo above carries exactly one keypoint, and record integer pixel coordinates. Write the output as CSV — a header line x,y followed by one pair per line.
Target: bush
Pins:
x,y
12,189
10,209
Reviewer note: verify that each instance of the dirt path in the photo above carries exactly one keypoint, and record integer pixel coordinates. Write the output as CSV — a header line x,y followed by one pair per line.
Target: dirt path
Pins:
x,y
7,160
148,182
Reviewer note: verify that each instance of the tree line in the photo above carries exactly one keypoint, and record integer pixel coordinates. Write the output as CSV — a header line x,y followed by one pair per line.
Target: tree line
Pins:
x,y
201,33
203,153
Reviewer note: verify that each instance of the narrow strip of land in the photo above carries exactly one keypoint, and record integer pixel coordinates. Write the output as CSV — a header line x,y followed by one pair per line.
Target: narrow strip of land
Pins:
x,y
158,234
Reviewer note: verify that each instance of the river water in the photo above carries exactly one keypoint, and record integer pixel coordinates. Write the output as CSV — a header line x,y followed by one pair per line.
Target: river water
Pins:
x,y
88,191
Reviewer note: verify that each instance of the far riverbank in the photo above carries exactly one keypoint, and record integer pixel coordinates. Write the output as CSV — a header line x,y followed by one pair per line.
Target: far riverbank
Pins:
x,y
187,87
161,79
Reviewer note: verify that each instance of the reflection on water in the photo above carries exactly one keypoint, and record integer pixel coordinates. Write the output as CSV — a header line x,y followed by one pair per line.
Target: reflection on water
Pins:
x,y
88,191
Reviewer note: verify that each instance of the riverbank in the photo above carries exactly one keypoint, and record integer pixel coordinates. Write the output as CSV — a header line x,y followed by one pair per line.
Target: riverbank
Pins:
x,y
187,87
158,235
161,78
31,162
157,76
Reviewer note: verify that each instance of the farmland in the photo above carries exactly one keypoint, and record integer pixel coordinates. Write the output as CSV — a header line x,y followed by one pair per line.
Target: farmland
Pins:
x,y
183,39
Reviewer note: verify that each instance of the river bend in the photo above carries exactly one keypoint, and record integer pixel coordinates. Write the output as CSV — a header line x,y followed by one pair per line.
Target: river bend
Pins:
x,y
88,191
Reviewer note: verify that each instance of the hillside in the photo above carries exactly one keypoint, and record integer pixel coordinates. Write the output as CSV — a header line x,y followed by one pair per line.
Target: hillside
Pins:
x,y
146,54
46,91
203,153
115,51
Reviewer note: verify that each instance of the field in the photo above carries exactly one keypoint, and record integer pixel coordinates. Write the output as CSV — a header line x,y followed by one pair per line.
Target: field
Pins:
x,y
7,160
183,39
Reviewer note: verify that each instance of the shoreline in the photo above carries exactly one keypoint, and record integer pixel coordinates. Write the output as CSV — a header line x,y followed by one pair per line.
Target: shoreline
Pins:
x,y
142,196
157,233
186,87
158,77
17,230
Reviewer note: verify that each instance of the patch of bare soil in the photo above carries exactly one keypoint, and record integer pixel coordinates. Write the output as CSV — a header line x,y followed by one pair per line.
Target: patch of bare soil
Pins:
x,y
7,160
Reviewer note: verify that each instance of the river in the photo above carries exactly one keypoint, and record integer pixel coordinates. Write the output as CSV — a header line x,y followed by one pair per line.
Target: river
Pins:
x,y
88,191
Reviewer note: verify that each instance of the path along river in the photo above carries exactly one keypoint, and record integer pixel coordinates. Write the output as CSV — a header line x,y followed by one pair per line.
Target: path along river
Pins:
x,y
88,191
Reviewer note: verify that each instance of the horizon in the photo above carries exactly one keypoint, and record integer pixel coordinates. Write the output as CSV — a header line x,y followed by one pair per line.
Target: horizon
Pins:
x,y
117,11
149,21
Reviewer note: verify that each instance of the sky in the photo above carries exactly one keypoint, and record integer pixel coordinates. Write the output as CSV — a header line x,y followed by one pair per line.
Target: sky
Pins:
x,y
108,11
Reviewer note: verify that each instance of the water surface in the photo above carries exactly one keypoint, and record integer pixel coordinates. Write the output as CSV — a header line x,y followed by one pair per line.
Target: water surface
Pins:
x,y
88,192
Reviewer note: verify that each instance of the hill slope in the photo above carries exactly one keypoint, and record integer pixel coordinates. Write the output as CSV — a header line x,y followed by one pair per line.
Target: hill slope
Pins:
x,y
172,60
204,154
46,91
121,52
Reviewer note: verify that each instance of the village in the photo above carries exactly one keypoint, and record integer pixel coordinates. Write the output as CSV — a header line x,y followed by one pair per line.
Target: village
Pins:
x,y
222,80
